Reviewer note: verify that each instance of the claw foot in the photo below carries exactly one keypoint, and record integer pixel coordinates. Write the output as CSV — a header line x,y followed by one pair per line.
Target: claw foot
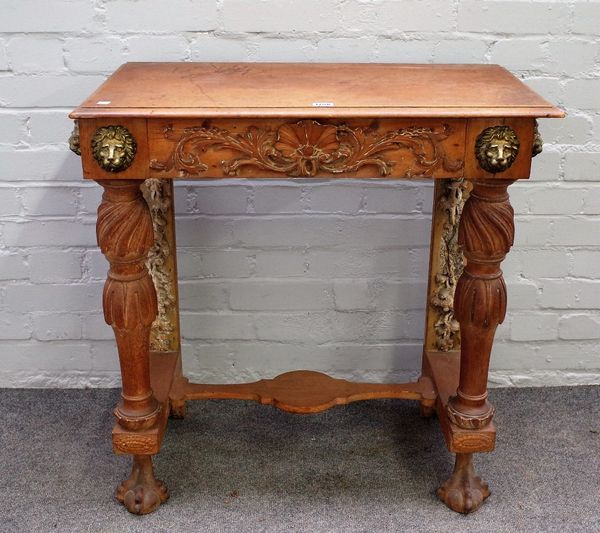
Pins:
x,y
464,492
141,492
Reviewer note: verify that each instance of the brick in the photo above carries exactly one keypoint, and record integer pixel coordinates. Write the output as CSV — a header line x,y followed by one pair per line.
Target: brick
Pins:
x,y
95,264
57,326
9,202
571,57
220,200
13,267
89,199
105,358
47,356
272,199
585,17
582,166
410,51
570,294
512,17
576,231
353,295
49,233
574,327
54,266
12,128
335,199
35,54
50,201
157,48
56,16
547,167
573,129
550,88
556,201
283,50
280,295
214,264
339,48
3,56
94,54
52,298
40,165
49,127
533,326
582,94
282,264
533,231
415,15
207,47
400,199
519,54
157,16
14,326
59,90
586,264
217,326
522,295
203,295
95,327
357,16
275,16
543,263
461,51
203,231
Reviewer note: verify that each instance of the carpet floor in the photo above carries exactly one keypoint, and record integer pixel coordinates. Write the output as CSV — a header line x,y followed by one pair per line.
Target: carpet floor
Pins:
x,y
235,466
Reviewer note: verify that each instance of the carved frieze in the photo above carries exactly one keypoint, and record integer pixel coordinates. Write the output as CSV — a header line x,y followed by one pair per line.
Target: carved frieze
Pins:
x,y
307,148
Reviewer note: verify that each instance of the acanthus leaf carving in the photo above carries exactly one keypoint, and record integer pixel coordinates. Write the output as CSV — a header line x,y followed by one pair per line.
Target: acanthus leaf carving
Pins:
x,y
307,148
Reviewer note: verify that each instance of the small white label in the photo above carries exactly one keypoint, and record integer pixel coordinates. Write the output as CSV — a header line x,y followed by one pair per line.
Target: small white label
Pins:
x,y
323,104
103,102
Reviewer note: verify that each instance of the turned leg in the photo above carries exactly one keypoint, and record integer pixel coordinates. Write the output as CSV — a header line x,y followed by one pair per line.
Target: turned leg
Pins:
x,y
125,235
486,234
141,492
464,492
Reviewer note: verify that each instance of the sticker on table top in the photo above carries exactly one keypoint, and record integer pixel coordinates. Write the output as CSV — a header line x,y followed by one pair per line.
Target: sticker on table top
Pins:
x,y
103,102
323,104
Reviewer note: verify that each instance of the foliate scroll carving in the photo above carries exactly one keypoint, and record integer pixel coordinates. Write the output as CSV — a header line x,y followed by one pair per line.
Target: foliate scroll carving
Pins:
x,y
158,197
114,148
306,148
447,328
496,148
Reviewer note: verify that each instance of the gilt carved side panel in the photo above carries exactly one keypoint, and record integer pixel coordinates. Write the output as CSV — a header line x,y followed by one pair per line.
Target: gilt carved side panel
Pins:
x,y
164,335
306,148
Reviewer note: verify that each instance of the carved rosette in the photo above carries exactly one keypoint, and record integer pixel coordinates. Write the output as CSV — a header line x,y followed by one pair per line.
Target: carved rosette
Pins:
x,y
486,235
125,235
307,148
451,203
157,194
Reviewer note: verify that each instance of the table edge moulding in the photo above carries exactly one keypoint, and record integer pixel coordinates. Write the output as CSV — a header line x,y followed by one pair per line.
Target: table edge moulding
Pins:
x,y
470,128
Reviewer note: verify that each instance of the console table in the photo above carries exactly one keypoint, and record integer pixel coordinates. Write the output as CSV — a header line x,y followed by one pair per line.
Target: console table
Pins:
x,y
471,128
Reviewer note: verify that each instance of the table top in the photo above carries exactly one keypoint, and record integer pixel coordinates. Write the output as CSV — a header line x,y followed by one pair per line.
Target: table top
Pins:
x,y
342,90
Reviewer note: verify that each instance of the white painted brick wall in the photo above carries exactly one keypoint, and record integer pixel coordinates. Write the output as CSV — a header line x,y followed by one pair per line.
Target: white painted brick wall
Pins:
x,y
277,275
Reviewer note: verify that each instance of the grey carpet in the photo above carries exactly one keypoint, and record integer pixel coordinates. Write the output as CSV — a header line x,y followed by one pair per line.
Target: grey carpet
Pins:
x,y
235,466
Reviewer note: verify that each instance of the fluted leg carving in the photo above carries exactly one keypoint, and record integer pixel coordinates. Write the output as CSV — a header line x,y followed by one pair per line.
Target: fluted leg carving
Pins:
x,y
486,235
125,235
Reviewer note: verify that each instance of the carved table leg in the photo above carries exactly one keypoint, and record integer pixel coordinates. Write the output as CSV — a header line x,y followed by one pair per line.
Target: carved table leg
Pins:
x,y
125,235
464,492
141,492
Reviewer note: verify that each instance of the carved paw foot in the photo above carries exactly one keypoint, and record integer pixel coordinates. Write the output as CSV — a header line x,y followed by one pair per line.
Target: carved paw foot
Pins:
x,y
464,492
141,492
177,409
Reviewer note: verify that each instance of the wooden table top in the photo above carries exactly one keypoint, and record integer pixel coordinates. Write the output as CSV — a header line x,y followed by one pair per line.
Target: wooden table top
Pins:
x,y
342,90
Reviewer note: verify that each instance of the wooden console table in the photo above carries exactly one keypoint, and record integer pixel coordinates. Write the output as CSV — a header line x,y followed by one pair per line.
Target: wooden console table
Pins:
x,y
471,128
